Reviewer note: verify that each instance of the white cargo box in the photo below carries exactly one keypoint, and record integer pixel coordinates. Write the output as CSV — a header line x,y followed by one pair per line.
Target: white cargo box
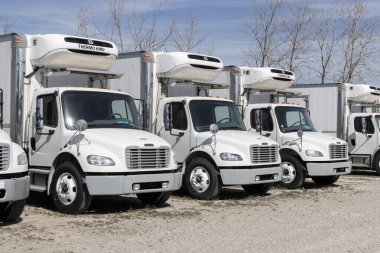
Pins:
x,y
187,66
63,51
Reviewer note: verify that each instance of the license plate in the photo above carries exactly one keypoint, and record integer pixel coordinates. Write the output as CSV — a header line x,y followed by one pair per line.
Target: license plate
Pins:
x,y
2,184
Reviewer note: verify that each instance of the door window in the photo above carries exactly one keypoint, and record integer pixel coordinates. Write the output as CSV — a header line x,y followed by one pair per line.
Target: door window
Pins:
x,y
359,127
179,116
50,111
266,118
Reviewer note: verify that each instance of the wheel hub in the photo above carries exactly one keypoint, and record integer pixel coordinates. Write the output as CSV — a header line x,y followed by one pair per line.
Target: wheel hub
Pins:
x,y
66,188
200,179
288,172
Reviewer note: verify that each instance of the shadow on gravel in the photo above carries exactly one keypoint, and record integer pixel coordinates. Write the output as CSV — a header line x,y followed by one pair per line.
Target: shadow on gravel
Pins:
x,y
99,205
5,224
362,172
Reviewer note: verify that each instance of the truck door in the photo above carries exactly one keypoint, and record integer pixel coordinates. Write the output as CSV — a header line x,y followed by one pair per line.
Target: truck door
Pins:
x,y
179,136
44,143
267,128
362,142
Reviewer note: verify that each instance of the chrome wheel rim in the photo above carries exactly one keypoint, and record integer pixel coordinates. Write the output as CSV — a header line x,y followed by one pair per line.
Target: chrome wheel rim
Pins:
x,y
66,188
288,172
200,179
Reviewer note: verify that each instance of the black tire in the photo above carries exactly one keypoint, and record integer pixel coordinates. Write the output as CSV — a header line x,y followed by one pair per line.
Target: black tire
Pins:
x,y
326,180
82,199
213,183
257,188
154,198
376,164
297,169
13,211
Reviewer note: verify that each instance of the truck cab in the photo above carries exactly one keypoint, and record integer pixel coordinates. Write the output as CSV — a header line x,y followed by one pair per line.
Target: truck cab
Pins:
x,y
210,142
304,151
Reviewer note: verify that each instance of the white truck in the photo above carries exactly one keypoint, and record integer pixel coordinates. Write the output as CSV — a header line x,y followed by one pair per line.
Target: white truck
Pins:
x,y
353,115
304,151
112,157
14,178
207,134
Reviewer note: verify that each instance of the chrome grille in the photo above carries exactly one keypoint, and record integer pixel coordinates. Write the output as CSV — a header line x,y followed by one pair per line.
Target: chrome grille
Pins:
x,y
338,151
264,154
147,158
4,157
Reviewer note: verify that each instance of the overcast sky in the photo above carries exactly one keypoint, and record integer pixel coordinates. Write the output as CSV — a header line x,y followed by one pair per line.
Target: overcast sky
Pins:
x,y
220,21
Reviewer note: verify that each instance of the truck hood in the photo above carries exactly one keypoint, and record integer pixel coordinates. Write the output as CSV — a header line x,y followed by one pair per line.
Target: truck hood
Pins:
x,y
124,137
236,138
4,137
312,138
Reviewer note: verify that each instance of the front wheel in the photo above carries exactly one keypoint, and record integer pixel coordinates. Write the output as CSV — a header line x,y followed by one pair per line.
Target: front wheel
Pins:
x,y
293,172
68,191
257,188
326,180
201,179
377,164
154,198
13,211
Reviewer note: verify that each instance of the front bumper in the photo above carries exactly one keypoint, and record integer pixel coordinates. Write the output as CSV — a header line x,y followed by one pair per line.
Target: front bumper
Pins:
x,y
231,176
14,189
123,184
328,169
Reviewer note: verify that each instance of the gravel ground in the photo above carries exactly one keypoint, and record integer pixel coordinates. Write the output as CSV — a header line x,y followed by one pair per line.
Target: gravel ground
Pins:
x,y
340,218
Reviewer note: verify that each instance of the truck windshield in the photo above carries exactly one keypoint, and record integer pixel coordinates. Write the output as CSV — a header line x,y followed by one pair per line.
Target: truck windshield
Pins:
x,y
99,109
223,113
291,119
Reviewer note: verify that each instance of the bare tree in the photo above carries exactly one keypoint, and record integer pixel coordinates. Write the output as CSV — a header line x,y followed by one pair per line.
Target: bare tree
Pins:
x,y
356,45
188,38
263,30
85,26
327,36
116,9
145,33
7,22
297,35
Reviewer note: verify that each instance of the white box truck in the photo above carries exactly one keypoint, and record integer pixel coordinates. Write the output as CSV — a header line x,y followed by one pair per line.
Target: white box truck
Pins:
x,y
350,112
14,178
80,142
207,134
304,151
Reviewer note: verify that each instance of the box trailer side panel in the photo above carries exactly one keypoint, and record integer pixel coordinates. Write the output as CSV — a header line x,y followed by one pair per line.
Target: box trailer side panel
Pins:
x,y
323,106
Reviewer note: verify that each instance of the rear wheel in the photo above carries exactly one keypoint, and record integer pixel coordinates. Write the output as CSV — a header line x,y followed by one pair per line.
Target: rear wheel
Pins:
x,y
154,198
13,211
293,172
68,190
327,180
377,164
201,179
257,188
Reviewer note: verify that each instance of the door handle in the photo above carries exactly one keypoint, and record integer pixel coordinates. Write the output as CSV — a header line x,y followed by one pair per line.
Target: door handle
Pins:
x,y
33,143
353,142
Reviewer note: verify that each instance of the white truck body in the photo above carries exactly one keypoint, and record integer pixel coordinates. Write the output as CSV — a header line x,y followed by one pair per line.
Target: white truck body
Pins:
x,y
322,157
170,83
112,157
348,105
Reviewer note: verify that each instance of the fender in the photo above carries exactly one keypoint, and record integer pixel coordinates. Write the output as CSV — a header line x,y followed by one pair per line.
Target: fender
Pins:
x,y
198,152
289,151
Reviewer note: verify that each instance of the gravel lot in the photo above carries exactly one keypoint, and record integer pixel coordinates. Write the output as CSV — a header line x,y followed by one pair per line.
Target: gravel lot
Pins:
x,y
340,218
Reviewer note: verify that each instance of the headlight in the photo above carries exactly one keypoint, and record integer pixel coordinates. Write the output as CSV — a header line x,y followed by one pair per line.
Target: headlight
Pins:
x,y
230,157
313,153
100,160
22,159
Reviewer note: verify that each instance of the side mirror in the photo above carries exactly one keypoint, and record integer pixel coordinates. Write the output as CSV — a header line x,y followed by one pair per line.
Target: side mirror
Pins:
x,y
364,125
214,128
40,113
81,125
300,133
258,120
168,117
